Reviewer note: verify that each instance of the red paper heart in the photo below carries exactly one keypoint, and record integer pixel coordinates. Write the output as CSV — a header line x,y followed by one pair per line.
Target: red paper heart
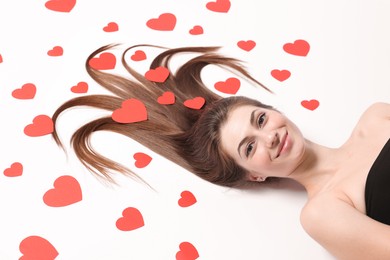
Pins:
x,y
159,74
66,191
195,103
105,61
60,5
310,104
167,98
81,87
56,51
299,48
165,22
230,86
141,160
138,56
131,111
111,27
27,91
187,199
187,252
1,58
132,219
196,30
35,247
246,45
220,6
281,75
15,170
42,125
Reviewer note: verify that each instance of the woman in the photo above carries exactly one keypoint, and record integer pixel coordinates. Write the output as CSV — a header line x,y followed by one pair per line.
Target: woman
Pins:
x,y
236,140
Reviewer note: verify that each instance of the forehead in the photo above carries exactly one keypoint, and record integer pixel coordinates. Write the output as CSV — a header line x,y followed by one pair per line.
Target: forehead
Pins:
x,y
235,127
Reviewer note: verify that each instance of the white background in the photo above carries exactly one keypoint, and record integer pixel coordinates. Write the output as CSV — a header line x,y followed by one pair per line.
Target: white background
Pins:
x,y
346,70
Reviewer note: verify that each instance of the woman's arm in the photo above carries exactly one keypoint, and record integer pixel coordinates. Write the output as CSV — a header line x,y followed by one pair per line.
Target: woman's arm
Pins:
x,y
345,232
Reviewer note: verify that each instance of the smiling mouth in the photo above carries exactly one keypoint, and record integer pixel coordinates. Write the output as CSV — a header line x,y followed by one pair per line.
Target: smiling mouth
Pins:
x,y
282,144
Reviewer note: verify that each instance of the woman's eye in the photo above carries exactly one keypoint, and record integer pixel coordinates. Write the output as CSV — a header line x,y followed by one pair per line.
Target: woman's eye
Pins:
x,y
249,149
261,119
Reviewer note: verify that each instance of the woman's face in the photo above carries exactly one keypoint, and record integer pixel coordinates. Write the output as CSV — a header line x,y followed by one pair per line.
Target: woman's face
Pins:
x,y
262,141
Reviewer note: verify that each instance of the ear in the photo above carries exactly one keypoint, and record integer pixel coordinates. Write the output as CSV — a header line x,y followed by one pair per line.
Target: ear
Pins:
x,y
256,177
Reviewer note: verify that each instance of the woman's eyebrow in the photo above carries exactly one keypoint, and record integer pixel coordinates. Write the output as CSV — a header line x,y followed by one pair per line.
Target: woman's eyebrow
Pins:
x,y
252,122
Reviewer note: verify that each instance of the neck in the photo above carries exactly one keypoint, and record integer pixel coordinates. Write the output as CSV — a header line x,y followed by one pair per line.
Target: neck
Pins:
x,y
317,168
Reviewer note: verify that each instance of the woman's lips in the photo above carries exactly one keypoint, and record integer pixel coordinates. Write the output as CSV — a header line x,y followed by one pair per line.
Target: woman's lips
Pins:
x,y
284,144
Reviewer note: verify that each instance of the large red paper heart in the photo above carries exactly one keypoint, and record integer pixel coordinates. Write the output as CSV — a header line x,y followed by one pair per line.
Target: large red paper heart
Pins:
x,y
56,51
111,27
230,86
195,103
167,98
66,191
131,111
131,219
165,22
138,56
60,5
196,30
105,61
1,58
220,6
187,252
27,91
187,199
281,75
141,160
159,74
299,48
246,45
81,87
15,170
42,125
35,247
310,104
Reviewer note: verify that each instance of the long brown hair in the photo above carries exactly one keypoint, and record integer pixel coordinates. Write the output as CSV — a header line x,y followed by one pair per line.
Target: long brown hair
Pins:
x,y
187,137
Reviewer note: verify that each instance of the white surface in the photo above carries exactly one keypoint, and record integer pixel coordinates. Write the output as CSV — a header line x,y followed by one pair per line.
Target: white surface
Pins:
x,y
346,70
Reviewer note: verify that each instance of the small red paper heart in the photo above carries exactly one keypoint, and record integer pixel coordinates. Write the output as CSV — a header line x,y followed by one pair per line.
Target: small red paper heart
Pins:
x,y
195,103
35,247
187,199
27,91
299,48
66,191
81,87
131,111
281,75
60,5
246,45
167,98
42,125
230,86
196,30
15,170
56,51
111,27
159,74
105,61
310,104
220,6
187,252
141,160
138,56
1,58
132,219
165,22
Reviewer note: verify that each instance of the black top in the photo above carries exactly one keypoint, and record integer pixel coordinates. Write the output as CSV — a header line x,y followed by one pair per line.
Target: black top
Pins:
x,y
377,191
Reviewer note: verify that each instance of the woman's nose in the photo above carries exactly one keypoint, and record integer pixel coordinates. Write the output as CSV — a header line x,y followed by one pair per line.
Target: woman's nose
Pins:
x,y
272,139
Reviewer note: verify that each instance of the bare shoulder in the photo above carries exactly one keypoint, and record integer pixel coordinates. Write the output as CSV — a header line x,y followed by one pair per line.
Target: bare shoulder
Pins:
x,y
375,116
